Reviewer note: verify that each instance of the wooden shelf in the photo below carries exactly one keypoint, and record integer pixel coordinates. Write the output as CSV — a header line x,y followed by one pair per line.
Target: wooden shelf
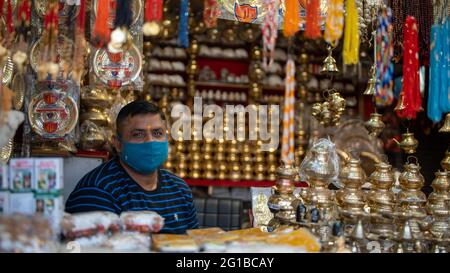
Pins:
x,y
168,85
169,58
222,85
232,183
246,60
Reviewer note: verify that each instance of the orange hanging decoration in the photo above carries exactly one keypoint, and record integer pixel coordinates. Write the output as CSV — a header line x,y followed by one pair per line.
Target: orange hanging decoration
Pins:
x,y
312,28
101,32
291,18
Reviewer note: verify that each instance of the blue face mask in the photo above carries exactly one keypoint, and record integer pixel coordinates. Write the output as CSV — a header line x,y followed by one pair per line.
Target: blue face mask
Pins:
x,y
144,157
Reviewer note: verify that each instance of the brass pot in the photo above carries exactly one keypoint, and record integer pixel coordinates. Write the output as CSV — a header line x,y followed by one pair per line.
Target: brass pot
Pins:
x,y
409,144
445,163
352,177
95,115
92,138
375,124
411,199
438,200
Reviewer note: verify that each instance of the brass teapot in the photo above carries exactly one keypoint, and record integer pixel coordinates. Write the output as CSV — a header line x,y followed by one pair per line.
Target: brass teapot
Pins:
x,y
409,144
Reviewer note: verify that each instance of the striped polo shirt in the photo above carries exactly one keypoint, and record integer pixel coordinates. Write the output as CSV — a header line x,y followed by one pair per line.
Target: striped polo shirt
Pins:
x,y
109,188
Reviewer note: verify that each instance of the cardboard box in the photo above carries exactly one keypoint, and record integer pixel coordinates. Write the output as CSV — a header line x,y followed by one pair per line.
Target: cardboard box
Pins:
x,y
22,202
4,202
49,174
4,185
21,174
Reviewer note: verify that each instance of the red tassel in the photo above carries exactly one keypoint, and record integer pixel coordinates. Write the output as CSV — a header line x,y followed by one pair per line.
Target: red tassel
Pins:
x,y
24,12
153,10
101,33
1,7
9,17
411,82
82,15
51,18
312,28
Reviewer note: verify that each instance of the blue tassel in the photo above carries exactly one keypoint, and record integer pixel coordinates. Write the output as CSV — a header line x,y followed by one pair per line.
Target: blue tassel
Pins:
x,y
444,96
433,111
183,31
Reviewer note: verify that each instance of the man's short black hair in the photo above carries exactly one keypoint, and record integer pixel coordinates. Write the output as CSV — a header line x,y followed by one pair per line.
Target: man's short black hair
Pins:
x,y
137,107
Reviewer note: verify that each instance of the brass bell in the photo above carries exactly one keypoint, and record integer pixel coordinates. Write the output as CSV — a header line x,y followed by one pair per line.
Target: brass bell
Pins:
x,y
445,163
329,64
374,125
409,143
316,109
371,90
401,104
446,127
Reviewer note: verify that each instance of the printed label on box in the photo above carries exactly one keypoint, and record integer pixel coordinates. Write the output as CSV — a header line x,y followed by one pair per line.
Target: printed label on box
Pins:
x,y
49,174
21,174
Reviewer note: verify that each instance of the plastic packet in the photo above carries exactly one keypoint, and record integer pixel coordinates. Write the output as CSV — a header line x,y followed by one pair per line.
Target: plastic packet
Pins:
x,y
142,221
86,224
321,162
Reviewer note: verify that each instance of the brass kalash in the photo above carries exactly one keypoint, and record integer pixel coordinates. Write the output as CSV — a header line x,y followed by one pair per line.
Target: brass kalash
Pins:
x,y
283,203
319,167
409,143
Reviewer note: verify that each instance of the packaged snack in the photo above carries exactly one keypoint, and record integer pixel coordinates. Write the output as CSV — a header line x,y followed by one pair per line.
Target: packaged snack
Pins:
x,y
142,221
21,174
4,202
22,202
49,174
86,224
204,231
129,242
174,243
3,177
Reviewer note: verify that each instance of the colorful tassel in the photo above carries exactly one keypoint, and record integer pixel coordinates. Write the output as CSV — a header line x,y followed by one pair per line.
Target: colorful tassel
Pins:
x,y
269,30
334,23
101,32
411,84
9,17
351,35
312,28
183,31
384,52
153,10
291,18
24,12
210,13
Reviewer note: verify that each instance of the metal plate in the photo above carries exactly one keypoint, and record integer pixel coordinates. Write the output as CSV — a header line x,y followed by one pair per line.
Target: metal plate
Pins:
x,y
63,47
136,8
8,68
64,11
6,151
125,71
18,87
55,118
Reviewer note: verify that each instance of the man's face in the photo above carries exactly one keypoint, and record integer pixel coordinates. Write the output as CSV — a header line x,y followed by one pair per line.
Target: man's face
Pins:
x,y
141,128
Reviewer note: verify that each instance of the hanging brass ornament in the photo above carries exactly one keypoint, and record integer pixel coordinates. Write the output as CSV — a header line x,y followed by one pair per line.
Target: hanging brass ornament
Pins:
x,y
409,143
375,124
370,89
329,64
446,127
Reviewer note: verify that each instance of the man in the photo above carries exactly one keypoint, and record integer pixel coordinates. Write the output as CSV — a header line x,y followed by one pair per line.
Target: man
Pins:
x,y
133,180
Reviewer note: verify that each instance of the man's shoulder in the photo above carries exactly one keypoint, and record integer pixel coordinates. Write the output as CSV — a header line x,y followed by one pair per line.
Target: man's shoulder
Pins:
x,y
100,175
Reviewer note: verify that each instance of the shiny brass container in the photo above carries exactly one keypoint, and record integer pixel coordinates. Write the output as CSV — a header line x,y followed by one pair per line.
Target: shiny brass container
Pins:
x,y
92,139
282,202
375,124
351,197
381,199
409,144
411,200
439,199
445,163
95,115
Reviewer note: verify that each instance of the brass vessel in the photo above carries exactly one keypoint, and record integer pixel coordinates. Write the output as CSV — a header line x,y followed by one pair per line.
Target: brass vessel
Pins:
x,y
282,202
329,64
409,144
351,197
381,199
446,127
374,125
445,163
